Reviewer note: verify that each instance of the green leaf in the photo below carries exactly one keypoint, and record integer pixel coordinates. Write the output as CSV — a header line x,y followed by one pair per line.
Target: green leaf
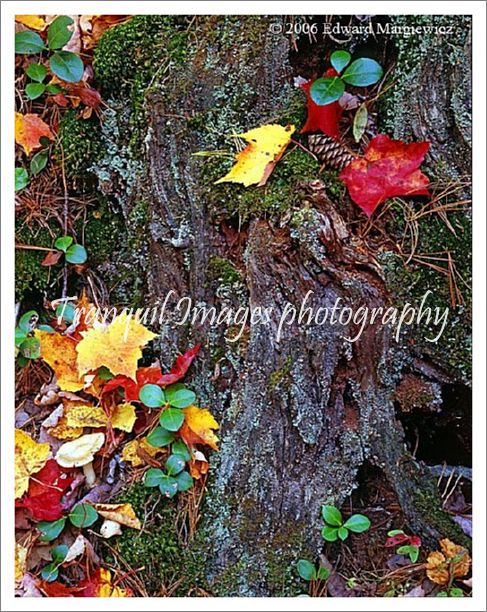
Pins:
x,y
67,311
357,523
53,89
331,515
63,242
360,122
306,569
58,553
362,72
185,481
394,532
414,554
28,42
67,66
152,396
180,448
46,328
160,437
37,72
153,477
327,90
442,594
168,486
50,529
21,178
456,592
83,515
171,419
76,254
58,34
20,336
330,534
22,361
34,90
175,464
179,396
323,573
340,59
50,572
39,161
103,373
31,348
343,533
28,320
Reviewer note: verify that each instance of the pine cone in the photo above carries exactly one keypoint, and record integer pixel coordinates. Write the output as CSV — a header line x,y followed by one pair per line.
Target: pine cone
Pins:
x,y
329,152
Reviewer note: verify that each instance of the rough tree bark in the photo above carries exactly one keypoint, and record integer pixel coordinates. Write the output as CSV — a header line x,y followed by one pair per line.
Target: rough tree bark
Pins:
x,y
300,416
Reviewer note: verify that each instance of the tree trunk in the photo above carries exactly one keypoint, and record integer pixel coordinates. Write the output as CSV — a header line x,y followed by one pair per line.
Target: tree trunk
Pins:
x,y
301,415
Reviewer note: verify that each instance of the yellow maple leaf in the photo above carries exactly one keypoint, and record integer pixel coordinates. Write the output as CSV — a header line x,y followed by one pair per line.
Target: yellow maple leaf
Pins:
x,y
60,353
123,417
117,346
30,457
123,514
62,431
80,414
198,427
256,162
29,129
130,455
105,588
34,22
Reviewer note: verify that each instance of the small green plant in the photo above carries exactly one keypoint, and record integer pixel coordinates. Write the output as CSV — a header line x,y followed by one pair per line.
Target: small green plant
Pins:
x,y
360,73
453,592
335,527
81,516
73,253
50,571
27,346
307,571
407,545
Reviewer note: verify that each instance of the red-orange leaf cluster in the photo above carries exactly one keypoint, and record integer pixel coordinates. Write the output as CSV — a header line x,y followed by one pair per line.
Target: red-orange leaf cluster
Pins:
x,y
389,168
322,118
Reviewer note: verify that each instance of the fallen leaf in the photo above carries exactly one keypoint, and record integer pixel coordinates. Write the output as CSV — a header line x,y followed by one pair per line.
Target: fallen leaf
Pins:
x,y
81,451
198,427
94,26
123,417
120,513
198,466
131,455
255,163
34,22
322,118
80,414
29,129
30,457
117,346
453,562
20,562
56,589
51,258
389,168
76,549
99,584
60,353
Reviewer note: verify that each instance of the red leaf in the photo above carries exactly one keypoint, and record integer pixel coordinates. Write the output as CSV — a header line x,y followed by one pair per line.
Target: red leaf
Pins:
x,y
322,118
55,589
395,540
89,96
152,375
415,541
389,168
51,258
46,488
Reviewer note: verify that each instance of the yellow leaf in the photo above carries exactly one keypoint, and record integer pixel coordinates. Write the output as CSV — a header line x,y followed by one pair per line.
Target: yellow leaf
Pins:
x,y
255,163
20,562
197,427
30,457
453,562
60,353
117,346
62,431
123,417
29,129
123,514
81,451
79,414
105,587
34,22
130,455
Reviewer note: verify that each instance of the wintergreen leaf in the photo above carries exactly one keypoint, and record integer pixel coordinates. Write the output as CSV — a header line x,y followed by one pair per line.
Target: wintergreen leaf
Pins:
x,y
50,529
306,569
21,178
31,348
327,90
394,532
34,90
63,242
67,312
152,396
330,534
323,573
83,515
37,72
160,437
76,254
58,553
456,592
357,523
175,464
342,533
168,486
185,481
58,34
67,66
39,161
340,59
53,89
153,477
331,515
28,42
20,336
360,122
171,419
50,572
180,448
362,72
179,396
28,320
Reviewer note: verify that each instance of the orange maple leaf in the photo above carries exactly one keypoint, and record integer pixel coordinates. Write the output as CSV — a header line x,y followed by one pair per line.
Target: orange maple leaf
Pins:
x,y
60,353
29,129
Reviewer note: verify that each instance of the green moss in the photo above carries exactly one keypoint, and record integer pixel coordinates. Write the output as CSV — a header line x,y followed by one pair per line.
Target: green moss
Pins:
x,y
223,271
281,374
80,142
30,276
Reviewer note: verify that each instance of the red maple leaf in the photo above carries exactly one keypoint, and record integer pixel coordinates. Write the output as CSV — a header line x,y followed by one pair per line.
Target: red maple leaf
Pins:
x,y
152,375
46,489
322,118
389,168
